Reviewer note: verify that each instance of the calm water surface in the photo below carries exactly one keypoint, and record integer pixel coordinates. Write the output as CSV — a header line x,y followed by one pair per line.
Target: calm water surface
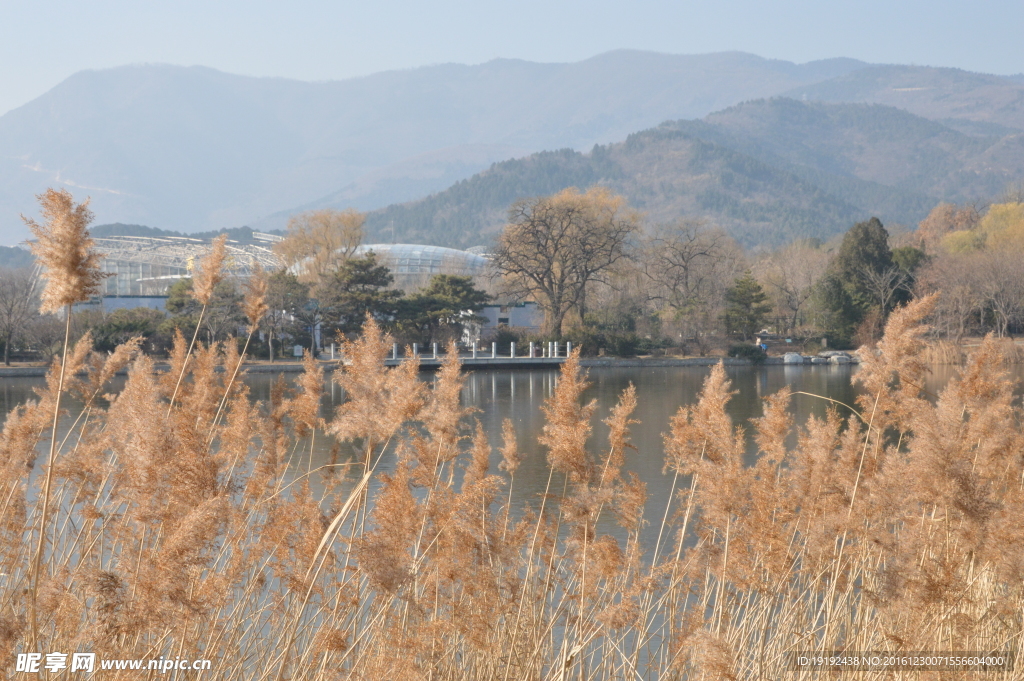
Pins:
x,y
519,394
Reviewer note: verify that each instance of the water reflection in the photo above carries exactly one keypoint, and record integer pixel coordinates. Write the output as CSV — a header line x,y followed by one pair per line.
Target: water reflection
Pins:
x,y
519,394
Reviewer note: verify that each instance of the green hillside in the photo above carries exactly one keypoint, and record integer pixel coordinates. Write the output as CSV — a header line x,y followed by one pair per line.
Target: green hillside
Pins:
x,y
769,171
471,211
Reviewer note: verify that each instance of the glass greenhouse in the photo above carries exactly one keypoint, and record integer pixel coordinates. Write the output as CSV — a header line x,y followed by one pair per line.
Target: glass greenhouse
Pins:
x,y
148,266
142,269
416,259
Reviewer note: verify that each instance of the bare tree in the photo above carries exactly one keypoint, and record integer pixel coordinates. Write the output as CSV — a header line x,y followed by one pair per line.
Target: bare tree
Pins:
x,y
690,266
19,300
553,247
944,219
1014,193
1000,281
790,275
318,241
884,284
45,334
960,299
975,286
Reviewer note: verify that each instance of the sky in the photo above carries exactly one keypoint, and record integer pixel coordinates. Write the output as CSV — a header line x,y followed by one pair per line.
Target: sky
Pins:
x,y
42,42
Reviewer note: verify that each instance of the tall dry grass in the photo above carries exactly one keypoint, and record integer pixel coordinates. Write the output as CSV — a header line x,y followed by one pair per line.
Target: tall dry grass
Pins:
x,y
174,527
958,354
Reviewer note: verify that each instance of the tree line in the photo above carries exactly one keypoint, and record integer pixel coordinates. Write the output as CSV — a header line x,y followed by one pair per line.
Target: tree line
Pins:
x,y
324,289
603,277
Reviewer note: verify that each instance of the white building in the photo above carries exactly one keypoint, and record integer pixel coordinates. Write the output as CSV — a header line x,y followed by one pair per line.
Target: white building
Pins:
x,y
521,316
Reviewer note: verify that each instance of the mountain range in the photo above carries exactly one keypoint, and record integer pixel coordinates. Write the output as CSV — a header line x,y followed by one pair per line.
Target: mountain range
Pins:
x,y
768,171
193,149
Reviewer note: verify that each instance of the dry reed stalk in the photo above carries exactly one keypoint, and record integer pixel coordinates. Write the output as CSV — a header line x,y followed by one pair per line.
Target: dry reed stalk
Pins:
x,y
209,273
255,307
180,531
46,491
64,248
945,352
958,354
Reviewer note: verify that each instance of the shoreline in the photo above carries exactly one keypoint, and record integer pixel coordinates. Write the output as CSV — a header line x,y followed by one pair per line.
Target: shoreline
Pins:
x,y
479,364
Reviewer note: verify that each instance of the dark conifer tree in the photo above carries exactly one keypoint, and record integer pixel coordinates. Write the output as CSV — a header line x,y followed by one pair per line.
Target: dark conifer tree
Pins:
x,y
746,307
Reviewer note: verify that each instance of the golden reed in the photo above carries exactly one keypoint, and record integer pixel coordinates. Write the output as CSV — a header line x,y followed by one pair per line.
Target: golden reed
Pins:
x,y
176,525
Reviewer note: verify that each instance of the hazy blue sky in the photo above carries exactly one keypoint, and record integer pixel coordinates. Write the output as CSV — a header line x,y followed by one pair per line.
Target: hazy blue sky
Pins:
x,y
44,41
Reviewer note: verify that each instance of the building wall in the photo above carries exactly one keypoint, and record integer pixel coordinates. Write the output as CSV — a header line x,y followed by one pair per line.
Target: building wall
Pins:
x,y
522,316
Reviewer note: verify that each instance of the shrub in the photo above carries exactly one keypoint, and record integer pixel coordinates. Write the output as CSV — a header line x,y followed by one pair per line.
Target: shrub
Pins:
x,y
627,345
812,347
586,339
751,352
504,335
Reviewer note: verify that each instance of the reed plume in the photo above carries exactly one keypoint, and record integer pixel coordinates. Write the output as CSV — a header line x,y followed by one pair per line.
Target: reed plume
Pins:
x,y
210,271
255,301
64,248
183,520
255,306
378,401
568,424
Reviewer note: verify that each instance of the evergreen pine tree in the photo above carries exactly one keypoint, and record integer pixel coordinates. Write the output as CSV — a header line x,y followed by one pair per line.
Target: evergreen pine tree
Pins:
x,y
746,306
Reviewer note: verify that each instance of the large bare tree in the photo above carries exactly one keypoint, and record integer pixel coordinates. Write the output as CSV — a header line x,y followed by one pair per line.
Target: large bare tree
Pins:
x,y
318,241
689,265
960,299
19,299
554,247
1000,281
789,277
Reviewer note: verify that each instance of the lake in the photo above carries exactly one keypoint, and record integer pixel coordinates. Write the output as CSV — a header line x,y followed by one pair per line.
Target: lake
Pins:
x,y
661,391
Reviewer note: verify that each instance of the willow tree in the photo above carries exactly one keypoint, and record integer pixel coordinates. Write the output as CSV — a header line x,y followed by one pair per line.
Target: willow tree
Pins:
x,y
317,242
553,247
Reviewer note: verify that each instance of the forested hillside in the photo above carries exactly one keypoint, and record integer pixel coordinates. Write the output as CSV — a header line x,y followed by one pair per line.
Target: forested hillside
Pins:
x,y
197,149
882,159
769,171
193,149
936,93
